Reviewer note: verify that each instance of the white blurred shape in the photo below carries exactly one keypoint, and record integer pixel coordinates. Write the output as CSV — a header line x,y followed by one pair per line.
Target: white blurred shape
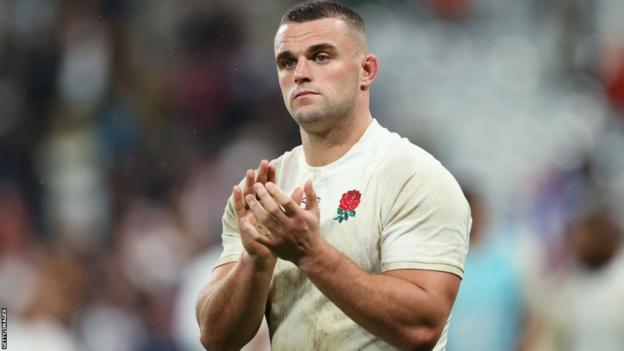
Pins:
x,y
106,328
209,185
40,334
85,68
195,277
153,249
76,193
17,281
515,64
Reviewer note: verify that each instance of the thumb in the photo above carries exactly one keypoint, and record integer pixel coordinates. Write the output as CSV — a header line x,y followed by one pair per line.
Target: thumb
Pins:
x,y
297,195
311,201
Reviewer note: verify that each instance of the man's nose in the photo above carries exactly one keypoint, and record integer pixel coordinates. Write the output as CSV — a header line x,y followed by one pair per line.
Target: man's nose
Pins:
x,y
302,72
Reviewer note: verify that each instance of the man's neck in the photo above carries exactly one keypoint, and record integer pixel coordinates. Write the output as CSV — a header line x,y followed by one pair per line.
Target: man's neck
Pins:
x,y
323,149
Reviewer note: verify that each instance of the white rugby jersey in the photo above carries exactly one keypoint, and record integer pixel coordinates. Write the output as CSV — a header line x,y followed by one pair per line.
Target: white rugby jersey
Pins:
x,y
401,209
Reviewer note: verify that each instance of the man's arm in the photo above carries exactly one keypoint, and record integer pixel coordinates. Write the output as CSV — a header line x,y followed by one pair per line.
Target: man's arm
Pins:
x,y
406,308
230,308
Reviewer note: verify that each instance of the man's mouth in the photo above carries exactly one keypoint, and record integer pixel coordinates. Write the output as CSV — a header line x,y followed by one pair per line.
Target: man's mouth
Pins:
x,y
304,93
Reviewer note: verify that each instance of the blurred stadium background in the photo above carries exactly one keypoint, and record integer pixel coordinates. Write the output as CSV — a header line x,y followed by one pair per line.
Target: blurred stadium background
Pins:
x,y
124,124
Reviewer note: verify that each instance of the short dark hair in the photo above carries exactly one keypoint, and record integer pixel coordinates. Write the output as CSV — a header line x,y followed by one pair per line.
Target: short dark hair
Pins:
x,y
311,10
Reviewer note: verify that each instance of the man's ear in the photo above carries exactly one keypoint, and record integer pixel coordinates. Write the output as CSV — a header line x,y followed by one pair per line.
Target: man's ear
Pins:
x,y
370,67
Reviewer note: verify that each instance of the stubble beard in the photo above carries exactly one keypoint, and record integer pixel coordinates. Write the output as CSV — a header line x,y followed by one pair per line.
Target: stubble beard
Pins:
x,y
322,119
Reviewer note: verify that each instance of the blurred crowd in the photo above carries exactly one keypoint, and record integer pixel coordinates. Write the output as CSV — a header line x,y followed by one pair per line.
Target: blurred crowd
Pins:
x,y
125,123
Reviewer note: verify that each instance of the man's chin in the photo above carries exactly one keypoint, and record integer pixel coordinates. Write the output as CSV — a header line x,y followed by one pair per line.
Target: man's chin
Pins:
x,y
308,116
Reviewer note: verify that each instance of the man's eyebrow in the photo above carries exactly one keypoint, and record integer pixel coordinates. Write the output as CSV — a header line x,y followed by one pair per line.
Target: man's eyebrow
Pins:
x,y
311,49
321,47
283,55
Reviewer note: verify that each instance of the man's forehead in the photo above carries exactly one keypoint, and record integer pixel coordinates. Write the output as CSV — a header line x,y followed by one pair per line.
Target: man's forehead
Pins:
x,y
322,30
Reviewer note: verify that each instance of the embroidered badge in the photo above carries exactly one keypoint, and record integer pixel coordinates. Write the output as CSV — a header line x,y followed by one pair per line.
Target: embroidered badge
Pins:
x,y
348,203
303,200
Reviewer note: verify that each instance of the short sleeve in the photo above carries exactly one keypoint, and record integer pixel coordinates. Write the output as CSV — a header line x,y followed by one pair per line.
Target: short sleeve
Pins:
x,y
231,241
427,223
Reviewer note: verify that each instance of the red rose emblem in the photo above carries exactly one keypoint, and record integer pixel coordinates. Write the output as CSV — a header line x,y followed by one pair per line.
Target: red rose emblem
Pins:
x,y
350,200
348,203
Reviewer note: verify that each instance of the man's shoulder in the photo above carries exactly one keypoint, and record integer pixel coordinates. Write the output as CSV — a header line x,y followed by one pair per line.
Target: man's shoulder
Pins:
x,y
406,157
407,164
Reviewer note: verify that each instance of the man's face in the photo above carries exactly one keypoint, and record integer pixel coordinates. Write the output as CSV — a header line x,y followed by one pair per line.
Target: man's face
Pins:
x,y
318,65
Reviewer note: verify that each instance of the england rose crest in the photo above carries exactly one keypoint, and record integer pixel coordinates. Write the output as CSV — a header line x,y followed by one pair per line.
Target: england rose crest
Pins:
x,y
348,203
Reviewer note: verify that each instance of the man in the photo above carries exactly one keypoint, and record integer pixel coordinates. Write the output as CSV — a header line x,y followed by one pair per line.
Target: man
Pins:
x,y
583,305
494,308
366,255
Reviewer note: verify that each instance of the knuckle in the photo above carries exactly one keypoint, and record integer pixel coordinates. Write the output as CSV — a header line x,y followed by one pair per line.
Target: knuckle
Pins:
x,y
274,210
262,218
299,222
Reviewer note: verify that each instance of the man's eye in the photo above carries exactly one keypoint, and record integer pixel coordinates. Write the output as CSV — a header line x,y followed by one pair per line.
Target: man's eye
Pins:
x,y
321,58
289,63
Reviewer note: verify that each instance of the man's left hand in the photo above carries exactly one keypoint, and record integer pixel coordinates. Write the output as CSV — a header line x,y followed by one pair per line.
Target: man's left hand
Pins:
x,y
294,231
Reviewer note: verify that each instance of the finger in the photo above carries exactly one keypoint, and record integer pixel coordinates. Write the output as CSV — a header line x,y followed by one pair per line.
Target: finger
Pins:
x,y
297,195
311,200
249,229
249,182
261,214
239,203
283,199
269,203
263,170
272,173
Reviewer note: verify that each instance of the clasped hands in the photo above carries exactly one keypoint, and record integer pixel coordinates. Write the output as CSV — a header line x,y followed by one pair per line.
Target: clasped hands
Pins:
x,y
273,223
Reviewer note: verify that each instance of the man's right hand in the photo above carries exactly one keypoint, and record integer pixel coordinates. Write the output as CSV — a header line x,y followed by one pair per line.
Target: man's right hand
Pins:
x,y
266,173
228,320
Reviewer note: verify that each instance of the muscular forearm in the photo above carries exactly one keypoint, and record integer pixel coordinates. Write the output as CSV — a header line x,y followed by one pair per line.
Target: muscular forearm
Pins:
x,y
396,310
230,310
